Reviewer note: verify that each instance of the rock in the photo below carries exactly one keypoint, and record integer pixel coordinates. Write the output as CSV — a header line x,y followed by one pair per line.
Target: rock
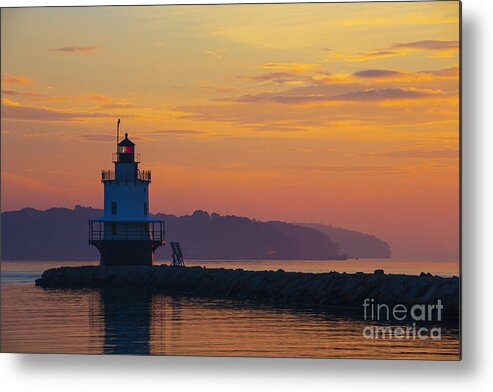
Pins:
x,y
327,289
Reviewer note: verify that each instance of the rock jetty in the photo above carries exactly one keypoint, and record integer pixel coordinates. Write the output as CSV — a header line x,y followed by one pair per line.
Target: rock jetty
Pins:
x,y
307,289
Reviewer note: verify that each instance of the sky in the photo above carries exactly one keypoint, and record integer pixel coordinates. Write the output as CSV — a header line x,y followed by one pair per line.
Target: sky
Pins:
x,y
343,114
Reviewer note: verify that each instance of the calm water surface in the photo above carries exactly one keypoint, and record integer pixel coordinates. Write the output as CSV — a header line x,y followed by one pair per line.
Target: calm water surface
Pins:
x,y
116,322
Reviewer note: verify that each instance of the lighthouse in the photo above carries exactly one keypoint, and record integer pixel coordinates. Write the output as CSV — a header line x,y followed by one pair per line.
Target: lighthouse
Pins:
x,y
126,234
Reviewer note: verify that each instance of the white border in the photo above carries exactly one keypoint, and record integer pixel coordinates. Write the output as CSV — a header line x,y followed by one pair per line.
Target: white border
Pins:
x,y
141,374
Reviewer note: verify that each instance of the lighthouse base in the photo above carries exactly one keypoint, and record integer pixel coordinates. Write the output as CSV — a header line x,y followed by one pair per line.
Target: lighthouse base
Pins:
x,y
125,252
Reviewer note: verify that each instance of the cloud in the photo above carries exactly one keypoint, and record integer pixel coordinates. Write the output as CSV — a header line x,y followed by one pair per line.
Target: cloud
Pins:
x,y
402,19
275,77
23,181
216,53
300,67
323,115
365,56
364,78
122,105
275,127
386,94
178,132
376,55
76,49
436,47
99,97
452,72
427,45
382,74
374,95
96,138
16,111
107,138
6,91
420,154
339,169
286,72
219,89
15,79
34,96
376,73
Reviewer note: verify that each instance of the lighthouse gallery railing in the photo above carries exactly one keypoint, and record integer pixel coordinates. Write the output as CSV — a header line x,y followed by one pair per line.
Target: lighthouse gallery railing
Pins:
x,y
109,175
133,231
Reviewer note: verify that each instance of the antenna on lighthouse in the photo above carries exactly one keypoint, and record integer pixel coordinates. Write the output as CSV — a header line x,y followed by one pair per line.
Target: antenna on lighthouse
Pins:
x,y
117,133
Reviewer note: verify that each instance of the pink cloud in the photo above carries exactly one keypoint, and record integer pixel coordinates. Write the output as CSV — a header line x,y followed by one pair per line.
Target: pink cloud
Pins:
x,y
76,49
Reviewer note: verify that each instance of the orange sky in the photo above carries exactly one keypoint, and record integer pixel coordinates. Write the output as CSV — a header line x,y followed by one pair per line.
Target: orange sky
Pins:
x,y
345,114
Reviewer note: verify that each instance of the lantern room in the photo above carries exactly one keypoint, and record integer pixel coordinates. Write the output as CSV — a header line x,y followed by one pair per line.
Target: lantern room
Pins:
x,y
126,151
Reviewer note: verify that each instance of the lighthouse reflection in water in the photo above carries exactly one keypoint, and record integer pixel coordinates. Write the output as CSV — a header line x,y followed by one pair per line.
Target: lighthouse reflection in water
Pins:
x,y
136,322
142,323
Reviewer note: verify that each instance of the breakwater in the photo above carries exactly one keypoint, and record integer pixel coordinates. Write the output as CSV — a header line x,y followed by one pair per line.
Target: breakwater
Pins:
x,y
310,289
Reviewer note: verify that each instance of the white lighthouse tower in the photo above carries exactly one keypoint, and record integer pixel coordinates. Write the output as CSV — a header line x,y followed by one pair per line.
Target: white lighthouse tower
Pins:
x,y
126,234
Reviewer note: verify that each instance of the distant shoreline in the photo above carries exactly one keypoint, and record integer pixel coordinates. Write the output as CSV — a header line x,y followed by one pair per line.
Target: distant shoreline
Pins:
x,y
62,234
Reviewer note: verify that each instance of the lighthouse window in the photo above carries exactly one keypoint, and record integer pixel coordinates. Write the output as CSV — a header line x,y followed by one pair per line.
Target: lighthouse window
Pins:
x,y
113,208
146,209
125,150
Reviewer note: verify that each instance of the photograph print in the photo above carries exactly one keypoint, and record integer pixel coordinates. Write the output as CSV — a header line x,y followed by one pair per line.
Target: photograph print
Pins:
x,y
248,180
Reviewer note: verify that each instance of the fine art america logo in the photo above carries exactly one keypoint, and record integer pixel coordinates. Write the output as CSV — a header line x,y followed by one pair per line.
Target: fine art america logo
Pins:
x,y
418,313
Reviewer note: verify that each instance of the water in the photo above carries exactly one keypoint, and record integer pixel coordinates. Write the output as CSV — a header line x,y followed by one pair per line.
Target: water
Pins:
x,y
116,322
